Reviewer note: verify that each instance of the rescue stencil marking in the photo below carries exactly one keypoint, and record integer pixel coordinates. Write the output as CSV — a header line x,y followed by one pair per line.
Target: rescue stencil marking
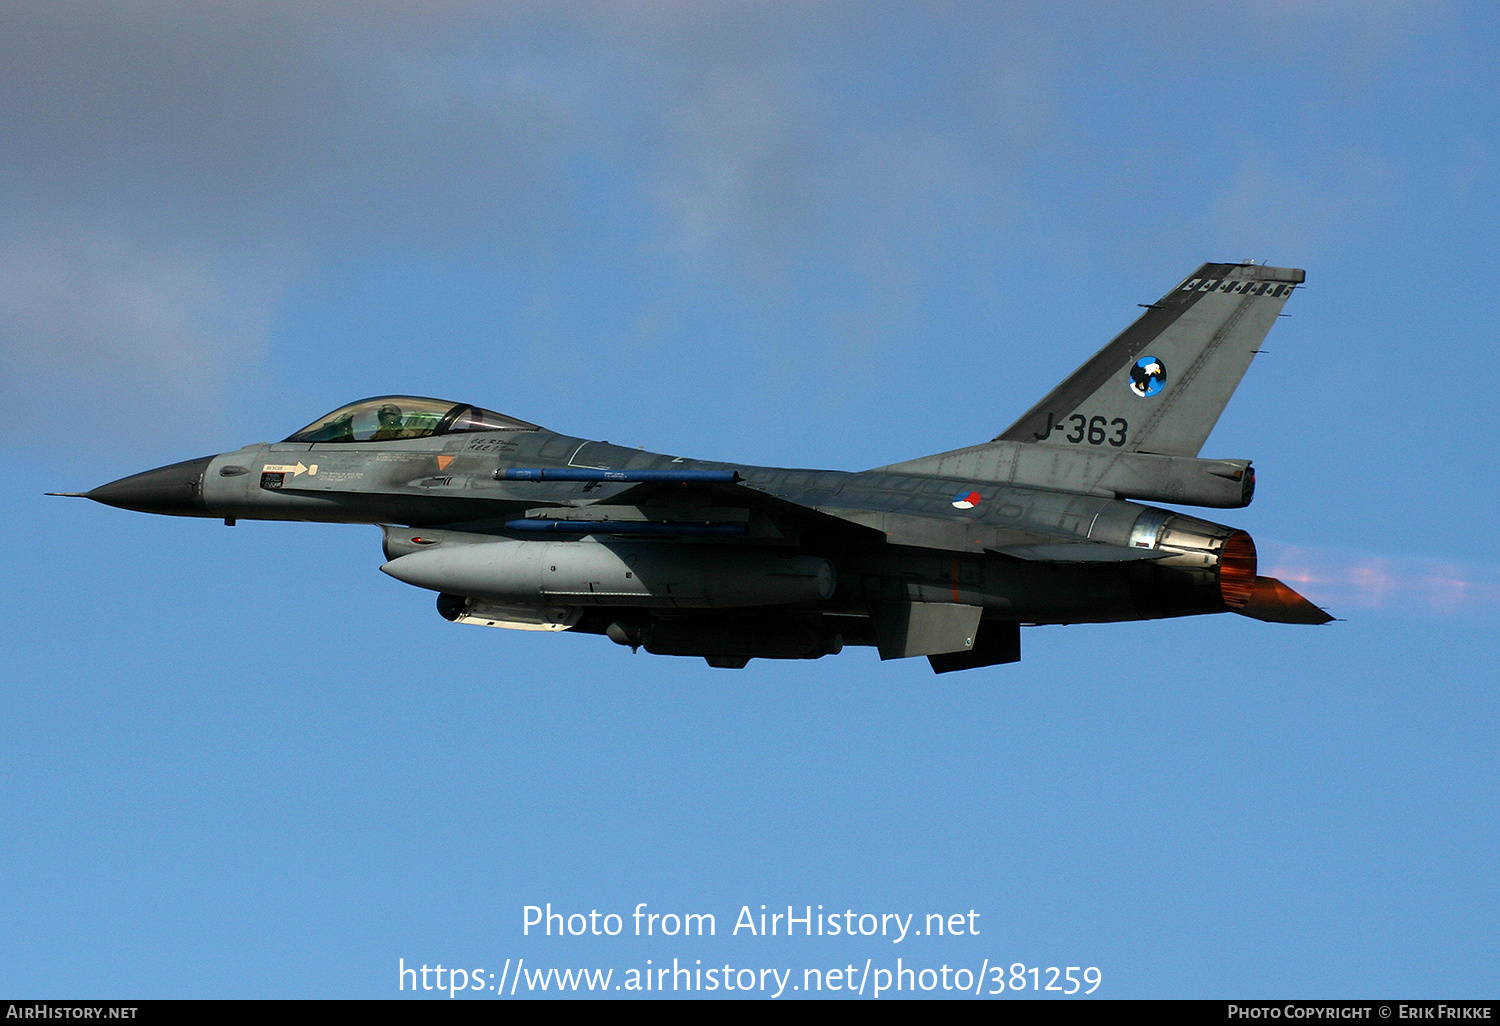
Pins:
x,y
284,468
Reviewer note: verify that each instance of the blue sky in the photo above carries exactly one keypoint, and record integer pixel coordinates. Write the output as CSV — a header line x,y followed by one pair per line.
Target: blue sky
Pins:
x,y
245,763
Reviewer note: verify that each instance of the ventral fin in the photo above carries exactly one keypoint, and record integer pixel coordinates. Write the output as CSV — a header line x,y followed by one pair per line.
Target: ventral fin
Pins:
x,y
1274,602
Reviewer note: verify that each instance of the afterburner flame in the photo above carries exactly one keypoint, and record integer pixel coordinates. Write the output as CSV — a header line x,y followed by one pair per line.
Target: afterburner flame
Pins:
x,y
1237,567
1353,580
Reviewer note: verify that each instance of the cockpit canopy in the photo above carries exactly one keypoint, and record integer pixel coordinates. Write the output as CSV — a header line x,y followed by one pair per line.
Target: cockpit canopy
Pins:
x,y
389,417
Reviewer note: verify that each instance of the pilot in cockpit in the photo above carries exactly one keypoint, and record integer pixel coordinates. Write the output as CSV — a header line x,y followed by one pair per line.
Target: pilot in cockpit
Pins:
x,y
389,417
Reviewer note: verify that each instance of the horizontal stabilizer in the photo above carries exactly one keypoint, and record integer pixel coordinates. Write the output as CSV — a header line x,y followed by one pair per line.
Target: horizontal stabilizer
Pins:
x,y
1274,602
1222,484
1082,552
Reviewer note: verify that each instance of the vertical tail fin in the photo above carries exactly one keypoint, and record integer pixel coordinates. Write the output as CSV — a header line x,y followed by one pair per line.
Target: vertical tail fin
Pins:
x,y
1161,385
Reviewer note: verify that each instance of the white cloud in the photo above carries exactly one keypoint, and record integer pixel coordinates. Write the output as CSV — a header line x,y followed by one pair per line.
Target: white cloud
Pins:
x,y
1303,199
88,313
172,168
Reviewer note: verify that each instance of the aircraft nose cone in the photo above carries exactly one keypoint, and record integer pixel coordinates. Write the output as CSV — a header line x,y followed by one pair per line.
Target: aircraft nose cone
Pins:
x,y
176,490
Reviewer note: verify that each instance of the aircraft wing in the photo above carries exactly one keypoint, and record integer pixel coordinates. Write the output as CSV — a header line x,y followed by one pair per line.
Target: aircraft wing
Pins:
x,y
691,507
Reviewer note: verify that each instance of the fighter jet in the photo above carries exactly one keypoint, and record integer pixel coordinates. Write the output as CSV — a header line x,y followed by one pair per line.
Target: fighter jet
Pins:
x,y
946,556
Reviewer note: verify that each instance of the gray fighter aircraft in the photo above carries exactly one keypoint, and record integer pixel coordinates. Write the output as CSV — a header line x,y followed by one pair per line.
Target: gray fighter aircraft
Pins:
x,y
946,556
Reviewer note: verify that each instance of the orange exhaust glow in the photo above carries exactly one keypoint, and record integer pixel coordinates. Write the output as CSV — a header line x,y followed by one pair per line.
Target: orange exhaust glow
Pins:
x,y
1237,568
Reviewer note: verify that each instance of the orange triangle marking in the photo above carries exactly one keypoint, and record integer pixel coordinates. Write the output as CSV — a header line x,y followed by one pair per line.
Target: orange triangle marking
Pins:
x,y
443,462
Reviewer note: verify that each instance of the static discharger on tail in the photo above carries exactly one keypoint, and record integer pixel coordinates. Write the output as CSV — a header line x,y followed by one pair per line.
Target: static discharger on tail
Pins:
x,y
946,556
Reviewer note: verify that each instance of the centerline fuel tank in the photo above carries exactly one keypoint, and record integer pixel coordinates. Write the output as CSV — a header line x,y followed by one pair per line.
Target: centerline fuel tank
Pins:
x,y
586,573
